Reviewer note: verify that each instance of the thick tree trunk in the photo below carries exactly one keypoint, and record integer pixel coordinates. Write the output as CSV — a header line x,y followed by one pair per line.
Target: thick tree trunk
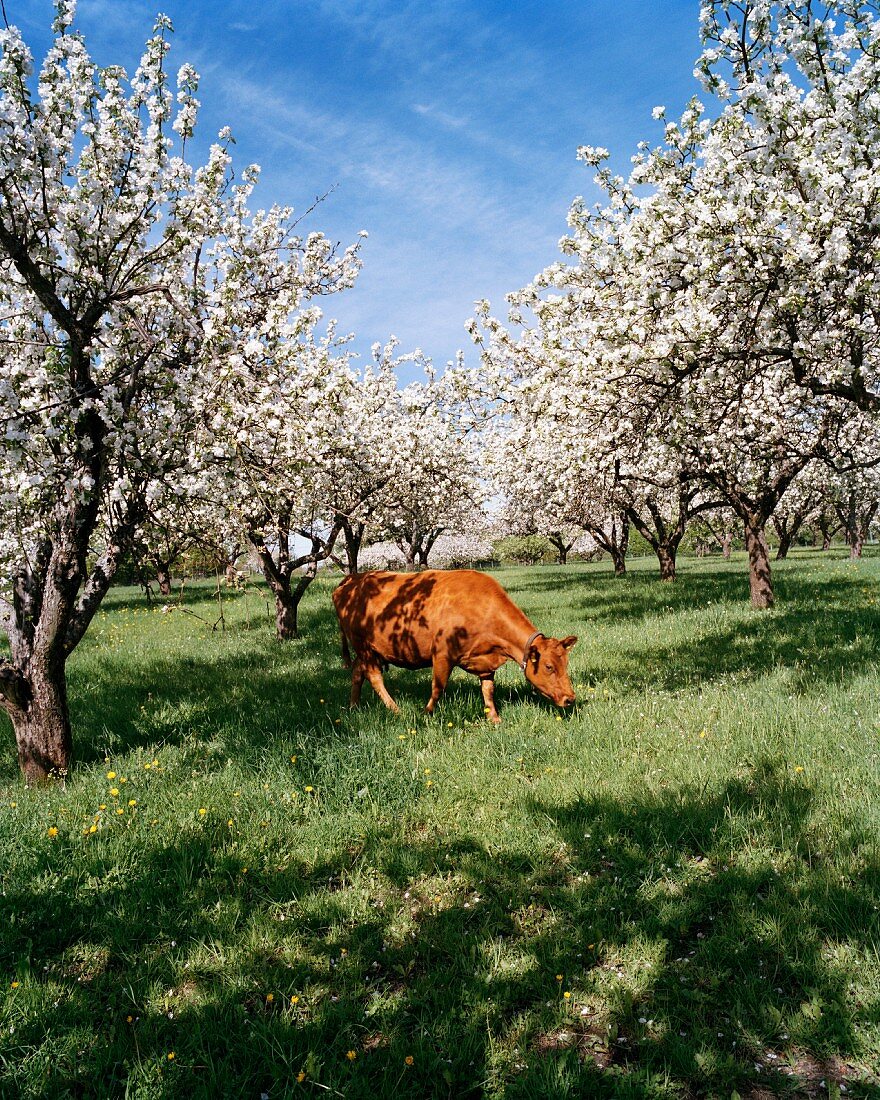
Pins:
x,y
727,545
666,555
760,580
618,557
286,626
41,721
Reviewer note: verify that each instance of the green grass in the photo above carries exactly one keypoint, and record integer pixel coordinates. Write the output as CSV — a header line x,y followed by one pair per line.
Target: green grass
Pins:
x,y
672,891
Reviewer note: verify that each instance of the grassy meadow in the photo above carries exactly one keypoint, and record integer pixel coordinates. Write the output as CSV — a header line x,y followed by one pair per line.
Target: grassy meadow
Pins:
x,y
670,891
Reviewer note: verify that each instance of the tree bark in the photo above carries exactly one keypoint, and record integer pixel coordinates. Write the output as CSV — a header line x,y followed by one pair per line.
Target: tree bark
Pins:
x,y
785,541
279,573
353,534
42,727
562,547
615,541
666,555
760,579
727,545
163,578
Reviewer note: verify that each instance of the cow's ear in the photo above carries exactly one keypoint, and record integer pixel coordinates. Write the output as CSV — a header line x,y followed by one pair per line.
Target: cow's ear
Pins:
x,y
568,642
535,656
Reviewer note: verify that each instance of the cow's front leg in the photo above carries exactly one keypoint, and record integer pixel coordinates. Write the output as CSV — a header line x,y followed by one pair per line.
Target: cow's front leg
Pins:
x,y
374,675
357,682
441,669
487,683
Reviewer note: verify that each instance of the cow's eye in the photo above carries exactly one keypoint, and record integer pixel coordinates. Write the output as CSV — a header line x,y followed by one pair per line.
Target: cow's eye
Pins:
x,y
549,668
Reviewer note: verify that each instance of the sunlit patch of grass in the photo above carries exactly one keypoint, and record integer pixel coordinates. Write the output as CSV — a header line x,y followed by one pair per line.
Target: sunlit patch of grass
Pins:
x,y
691,855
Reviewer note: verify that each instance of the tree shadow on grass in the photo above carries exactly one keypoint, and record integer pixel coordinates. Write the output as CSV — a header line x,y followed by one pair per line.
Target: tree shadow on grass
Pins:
x,y
709,942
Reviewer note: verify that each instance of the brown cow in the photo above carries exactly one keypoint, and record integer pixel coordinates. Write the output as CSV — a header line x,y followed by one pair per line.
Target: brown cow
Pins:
x,y
443,619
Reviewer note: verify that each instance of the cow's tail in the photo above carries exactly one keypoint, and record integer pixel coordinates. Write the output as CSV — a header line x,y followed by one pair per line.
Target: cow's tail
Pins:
x,y
346,654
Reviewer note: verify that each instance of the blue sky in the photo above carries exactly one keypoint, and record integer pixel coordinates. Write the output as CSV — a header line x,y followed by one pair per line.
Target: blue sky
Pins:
x,y
448,128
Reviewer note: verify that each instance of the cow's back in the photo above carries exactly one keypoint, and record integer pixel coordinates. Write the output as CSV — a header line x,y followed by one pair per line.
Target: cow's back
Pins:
x,y
398,616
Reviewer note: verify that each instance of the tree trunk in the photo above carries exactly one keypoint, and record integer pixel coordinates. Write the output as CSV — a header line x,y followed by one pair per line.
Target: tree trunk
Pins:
x,y
760,580
666,555
561,547
618,556
42,724
163,578
286,626
354,537
785,541
727,545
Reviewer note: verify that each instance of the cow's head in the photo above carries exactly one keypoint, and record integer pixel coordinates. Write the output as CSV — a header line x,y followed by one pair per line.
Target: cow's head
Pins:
x,y
546,667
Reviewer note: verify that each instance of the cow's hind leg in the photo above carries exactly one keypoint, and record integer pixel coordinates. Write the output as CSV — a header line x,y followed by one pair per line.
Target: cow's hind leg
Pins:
x,y
441,668
374,675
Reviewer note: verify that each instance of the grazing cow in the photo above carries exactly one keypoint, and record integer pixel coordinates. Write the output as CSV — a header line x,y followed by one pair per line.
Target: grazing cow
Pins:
x,y
443,619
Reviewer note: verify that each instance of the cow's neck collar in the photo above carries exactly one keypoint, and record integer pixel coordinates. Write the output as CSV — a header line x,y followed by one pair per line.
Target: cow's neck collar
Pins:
x,y
527,647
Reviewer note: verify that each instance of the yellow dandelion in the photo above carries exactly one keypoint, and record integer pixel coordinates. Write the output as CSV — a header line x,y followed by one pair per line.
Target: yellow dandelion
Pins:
x,y
320,700
301,1076
14,985
53,830
350,1054
202,811
559,977
103,806
229,823
308,790
799,768
270,997
129,1019
567,995
294,1000
409,1060
170,1056
430,783
111,775
93,828
293,759
132,802
114,791
120,810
